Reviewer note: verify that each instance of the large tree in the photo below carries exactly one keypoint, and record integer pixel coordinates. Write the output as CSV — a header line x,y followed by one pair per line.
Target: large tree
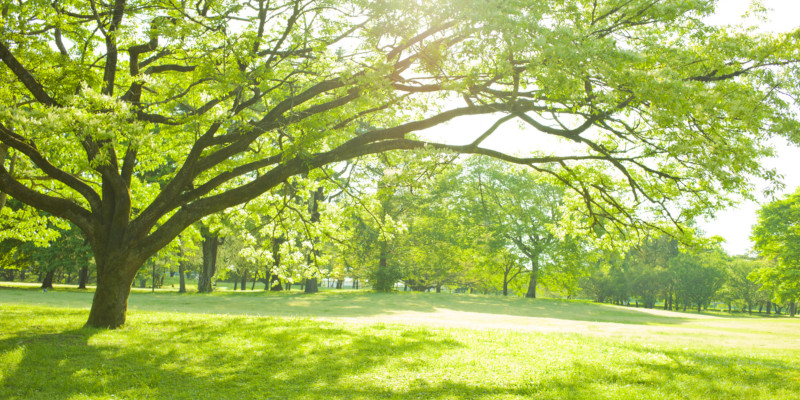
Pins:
x,y
241,95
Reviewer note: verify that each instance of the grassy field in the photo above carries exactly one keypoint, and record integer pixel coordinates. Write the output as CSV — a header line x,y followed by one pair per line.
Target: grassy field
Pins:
x,y
359,345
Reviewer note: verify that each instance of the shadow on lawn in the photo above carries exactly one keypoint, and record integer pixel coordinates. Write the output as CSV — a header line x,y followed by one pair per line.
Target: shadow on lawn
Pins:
x,y
189,358
246,358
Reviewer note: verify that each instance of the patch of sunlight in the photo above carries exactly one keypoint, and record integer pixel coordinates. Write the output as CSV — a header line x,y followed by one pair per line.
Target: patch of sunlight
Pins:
x,y
10,361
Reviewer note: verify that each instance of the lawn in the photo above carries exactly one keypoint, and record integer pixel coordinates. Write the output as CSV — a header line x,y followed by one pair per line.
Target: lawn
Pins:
x,y
359,345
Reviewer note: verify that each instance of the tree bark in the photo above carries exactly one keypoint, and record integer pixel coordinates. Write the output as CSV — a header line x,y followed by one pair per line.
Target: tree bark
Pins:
x,y
110,303
769,307
3,153
311,286
182,273
83,277
211,244
531,294
47,282
315,198
243,286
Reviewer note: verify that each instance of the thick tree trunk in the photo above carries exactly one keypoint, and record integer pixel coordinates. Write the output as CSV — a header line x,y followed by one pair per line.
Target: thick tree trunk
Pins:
x,y
311,285
47,282
182,273
769,307
211,242
110,303
84,277
243,286
339,283
275,284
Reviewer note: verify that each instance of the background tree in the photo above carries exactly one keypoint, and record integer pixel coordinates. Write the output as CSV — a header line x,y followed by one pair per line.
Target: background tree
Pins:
x,y
777,236
242,96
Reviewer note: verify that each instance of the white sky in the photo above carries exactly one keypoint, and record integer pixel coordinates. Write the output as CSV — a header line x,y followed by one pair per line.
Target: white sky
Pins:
x,y
734,224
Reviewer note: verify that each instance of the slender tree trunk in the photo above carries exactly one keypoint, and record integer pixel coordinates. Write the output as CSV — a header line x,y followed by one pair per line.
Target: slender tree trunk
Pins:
x,y
531,293
211,242
769,307
288,285
792,309
313,207
182,274
276,264
3,154
243,286
235,285
83,277
505,283
255,279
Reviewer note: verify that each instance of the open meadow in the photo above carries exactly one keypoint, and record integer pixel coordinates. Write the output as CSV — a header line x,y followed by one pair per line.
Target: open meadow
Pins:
x,y
361,345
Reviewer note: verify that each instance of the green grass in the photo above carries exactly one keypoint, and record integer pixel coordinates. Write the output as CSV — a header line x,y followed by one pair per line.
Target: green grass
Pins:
x,y
359,345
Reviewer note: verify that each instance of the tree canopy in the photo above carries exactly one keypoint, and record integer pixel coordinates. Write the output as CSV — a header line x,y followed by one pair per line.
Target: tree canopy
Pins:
x,y
135,119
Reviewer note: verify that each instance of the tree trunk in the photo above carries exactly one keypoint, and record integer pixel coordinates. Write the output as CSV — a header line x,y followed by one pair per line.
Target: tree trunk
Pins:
x,y
288,285
255,279
211,243
235,285
275,284
3,154
110,302
505,284
311,285
531,294
243,286
182,274
792,309
313,208
83,277
47,282
339,283
769,307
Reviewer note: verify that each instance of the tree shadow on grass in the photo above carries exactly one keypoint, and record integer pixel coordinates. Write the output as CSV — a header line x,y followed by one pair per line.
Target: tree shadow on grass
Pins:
x,y
224,357
173,357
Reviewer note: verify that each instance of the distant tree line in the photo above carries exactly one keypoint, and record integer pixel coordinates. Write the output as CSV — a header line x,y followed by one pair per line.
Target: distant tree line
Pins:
x,y
433,223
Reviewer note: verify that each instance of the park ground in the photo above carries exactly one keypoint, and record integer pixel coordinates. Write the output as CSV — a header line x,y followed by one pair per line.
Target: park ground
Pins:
x,y
361,345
